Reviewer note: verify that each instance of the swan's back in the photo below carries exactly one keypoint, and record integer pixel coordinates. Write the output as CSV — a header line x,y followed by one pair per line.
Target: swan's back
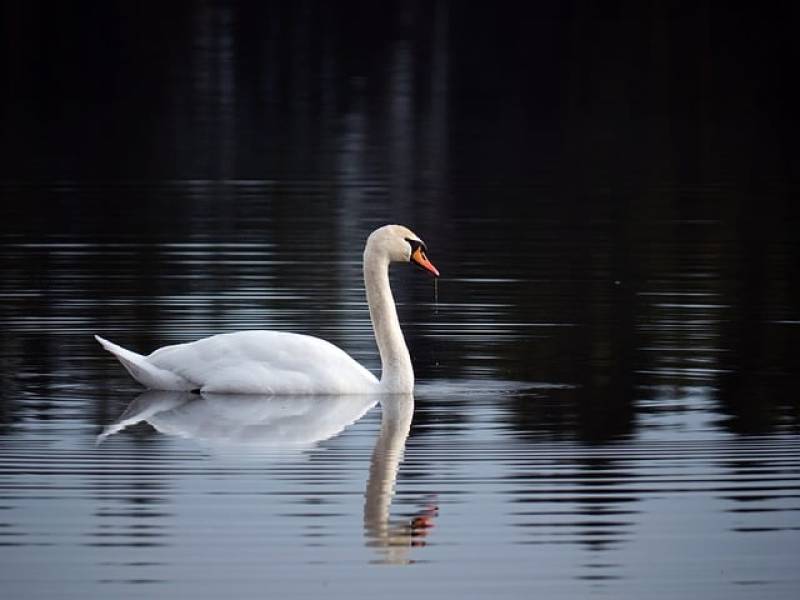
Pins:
x,y
265,362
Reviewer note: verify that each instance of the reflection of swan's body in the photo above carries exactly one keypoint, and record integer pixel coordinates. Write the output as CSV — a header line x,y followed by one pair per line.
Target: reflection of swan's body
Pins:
x,y
276,362
245,420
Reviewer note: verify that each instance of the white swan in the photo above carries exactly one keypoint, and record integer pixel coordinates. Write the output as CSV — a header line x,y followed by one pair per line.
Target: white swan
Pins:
x,y
277,362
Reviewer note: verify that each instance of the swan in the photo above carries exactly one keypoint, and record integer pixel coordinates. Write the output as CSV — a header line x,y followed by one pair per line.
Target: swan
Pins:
x,y
278,362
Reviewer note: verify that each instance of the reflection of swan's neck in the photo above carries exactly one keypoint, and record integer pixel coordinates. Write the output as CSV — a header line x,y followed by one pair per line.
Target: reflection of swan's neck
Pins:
x,y
397,375
386,457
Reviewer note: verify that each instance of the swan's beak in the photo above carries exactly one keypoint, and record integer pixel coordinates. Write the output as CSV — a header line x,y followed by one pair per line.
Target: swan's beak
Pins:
x,y
418,256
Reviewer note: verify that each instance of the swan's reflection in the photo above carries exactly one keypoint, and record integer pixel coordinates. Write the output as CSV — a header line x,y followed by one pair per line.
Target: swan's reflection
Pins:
x,y
392,538
244,421
241,422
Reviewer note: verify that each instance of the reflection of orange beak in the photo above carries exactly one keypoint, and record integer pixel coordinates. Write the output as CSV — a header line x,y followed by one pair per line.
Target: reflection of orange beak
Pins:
x,y
418,256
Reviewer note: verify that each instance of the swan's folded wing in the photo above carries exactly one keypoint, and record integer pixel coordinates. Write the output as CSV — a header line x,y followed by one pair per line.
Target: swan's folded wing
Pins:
x,y
265,362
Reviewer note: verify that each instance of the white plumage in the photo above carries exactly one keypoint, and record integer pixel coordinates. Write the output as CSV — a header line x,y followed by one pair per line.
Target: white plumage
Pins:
x,y
249,362
277,362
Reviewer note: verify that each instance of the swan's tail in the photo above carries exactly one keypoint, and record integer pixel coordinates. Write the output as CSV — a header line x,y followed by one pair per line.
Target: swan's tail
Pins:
x,y
146,373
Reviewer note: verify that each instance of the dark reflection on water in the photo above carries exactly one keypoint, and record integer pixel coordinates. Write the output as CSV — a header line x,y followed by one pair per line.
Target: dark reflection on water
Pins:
x,y
607,375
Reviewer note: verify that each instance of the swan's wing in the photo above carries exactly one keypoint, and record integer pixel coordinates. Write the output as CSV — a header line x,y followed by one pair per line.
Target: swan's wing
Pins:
x,y
265,362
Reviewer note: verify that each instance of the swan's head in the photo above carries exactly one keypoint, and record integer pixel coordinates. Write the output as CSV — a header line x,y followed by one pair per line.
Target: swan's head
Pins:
x,y
400,244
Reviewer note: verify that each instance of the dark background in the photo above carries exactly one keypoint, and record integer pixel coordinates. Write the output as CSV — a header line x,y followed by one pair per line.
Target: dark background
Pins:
x,y
614,91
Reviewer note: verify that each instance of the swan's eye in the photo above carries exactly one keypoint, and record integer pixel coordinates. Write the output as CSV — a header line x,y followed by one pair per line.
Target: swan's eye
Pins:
x,y
418,257
416,244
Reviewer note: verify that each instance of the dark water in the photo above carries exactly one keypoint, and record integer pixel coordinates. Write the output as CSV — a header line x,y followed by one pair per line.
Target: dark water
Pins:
x,y
606,400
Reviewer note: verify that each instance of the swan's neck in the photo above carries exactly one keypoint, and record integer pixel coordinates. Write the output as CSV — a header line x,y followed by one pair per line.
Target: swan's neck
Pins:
x,y
397,375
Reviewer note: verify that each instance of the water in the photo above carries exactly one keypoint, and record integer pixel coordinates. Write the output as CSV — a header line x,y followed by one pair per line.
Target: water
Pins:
x,y
606,399
570,434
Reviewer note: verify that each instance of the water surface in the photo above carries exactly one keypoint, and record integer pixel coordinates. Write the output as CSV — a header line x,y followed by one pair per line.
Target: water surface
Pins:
x,y
573,433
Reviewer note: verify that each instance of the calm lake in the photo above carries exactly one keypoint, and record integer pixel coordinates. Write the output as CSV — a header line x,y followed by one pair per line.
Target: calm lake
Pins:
x,y
606,371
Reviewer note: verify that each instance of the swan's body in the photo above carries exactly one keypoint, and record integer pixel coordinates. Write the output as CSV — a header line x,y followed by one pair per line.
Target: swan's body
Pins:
x,y
249,362
277,362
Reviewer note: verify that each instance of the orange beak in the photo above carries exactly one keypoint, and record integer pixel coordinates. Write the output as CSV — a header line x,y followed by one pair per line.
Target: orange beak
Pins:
x,y
418,256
